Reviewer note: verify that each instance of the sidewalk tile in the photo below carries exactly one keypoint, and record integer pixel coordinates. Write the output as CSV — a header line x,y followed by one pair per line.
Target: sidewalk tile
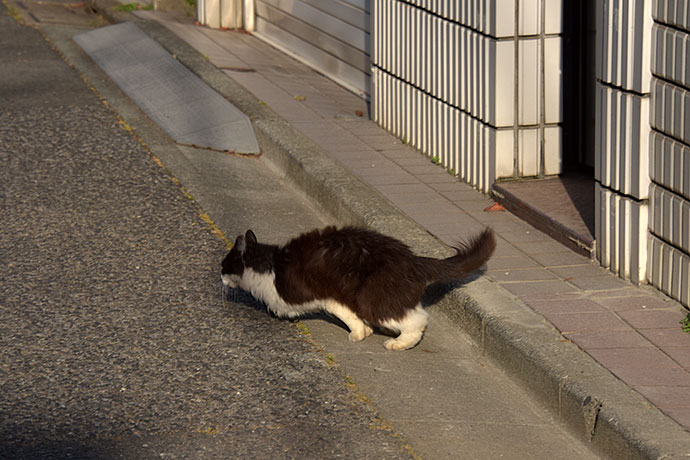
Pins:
x,y
633,357
598,283
399,177
635,376
437,178
634,303
510,263
666,396
538,287
608,339
664,338
679,355
680,415
535,274
593,321
560,258
654,319
581,305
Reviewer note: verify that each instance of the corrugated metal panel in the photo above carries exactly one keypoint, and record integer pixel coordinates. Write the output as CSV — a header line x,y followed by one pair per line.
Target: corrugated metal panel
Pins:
x,y
330,35
622,141
620,230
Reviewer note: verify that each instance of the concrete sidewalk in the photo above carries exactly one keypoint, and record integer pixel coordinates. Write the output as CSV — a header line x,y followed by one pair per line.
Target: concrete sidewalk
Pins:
x,y
538,304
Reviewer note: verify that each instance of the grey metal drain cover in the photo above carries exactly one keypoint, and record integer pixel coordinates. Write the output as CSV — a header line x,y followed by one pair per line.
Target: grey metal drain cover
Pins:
x,y
171,95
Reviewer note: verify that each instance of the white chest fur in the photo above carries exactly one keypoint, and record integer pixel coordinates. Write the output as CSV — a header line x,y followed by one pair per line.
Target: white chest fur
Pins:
x,y
263,287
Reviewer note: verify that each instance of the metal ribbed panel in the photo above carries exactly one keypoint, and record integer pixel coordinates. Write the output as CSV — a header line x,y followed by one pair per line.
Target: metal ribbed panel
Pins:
x,y
620,231
622,141
669,270
330,35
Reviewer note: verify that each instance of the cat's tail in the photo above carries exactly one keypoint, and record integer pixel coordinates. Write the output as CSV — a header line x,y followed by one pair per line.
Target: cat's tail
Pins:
x,y
471,255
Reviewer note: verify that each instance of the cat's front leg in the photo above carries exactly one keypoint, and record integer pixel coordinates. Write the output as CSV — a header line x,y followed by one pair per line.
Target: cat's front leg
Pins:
x,y
359,330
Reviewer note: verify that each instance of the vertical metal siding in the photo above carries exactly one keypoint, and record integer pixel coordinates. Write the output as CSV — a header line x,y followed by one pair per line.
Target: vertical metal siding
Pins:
x,y
331,36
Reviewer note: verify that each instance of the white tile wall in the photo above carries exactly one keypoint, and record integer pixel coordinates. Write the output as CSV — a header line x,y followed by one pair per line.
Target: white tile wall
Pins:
x,y
670,217
670,164
672,12
444,76
461,142
553,63
620,229
624,44
670,112
529,82
528,152
671,55
669,270
622,141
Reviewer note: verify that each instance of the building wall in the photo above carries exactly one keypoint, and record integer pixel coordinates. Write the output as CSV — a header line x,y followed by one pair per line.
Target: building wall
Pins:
x,y
476,84
622,135
331,36
669,192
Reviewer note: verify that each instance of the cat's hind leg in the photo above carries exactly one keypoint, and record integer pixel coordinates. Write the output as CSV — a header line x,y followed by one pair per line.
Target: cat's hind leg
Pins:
x,y
411,327
359,330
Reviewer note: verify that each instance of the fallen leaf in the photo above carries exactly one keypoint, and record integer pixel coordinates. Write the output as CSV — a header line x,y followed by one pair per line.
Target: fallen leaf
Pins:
x,y
300,98
359,113
495,208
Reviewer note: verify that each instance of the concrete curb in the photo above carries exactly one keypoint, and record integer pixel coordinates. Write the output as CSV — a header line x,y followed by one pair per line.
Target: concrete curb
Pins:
x,y
595,405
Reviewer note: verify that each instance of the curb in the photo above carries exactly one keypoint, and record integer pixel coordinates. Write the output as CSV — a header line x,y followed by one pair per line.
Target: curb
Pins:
x,y
596,406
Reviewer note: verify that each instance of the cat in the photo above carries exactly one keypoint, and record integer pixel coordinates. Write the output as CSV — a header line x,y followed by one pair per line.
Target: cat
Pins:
x,y
362,277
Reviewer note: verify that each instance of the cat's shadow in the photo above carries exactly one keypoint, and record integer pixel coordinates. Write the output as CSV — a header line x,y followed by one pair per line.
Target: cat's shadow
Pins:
x,y
433,294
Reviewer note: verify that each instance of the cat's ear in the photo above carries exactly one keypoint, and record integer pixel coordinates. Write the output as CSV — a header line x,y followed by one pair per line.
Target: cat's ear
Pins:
x,y
251,237
240,244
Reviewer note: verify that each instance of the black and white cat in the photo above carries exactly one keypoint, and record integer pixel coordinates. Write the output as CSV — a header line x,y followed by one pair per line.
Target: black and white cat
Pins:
x,y
362,277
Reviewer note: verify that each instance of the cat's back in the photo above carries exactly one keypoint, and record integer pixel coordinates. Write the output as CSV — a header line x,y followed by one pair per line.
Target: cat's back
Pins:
x,y
348,247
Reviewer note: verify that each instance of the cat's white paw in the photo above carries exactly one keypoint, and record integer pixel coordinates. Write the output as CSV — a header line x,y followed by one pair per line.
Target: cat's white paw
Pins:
x,y
360,333
401,344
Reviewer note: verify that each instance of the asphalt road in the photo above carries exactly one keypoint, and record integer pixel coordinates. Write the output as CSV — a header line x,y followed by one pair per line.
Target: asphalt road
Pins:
x,y
116,341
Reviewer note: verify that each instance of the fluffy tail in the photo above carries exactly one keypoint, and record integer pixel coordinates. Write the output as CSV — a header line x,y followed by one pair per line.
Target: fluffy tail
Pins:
x,y
470,256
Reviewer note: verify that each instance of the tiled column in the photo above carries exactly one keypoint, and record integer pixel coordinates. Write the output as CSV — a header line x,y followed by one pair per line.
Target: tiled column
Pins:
x,y
622,135
474,83
669,250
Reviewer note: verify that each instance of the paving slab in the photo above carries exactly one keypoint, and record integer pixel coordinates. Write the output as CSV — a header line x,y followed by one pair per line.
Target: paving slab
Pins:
x,y
178,101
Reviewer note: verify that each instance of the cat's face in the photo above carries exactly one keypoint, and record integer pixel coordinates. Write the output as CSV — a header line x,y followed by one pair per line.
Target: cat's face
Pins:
x,y
233,265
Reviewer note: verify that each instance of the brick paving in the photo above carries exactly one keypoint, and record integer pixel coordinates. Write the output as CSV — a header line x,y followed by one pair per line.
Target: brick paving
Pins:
x,y
632,331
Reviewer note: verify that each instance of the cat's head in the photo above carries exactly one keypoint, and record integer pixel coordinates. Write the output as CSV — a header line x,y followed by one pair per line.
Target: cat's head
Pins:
x,y
233,264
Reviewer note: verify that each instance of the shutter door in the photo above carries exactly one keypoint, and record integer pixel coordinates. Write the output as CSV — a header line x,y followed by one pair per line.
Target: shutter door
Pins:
x,y
332,36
